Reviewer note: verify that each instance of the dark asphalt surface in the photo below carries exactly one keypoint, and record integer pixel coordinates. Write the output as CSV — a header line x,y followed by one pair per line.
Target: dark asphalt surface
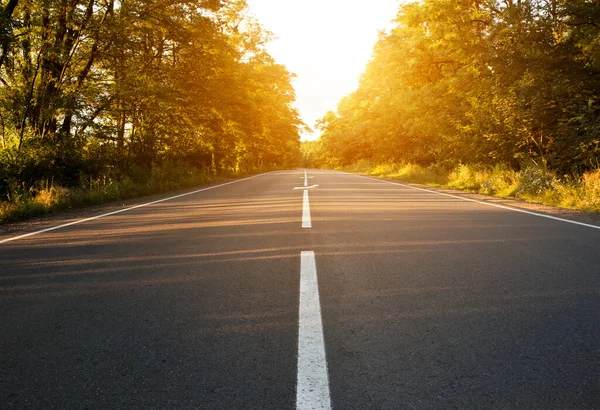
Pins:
x,y
428,302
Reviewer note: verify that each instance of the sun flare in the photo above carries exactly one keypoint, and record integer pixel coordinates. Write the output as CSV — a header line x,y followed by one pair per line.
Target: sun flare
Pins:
x,y
325,43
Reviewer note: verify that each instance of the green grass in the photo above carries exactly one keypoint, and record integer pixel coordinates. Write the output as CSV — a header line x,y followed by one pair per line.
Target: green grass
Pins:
x,y
533,183
49,198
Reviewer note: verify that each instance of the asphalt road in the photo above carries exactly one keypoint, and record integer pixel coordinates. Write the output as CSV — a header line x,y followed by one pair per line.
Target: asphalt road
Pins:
x,y
423,301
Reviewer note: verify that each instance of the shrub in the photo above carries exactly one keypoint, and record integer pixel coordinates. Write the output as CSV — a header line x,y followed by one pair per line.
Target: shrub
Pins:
x,y
383,169
362,165
591,190
417,173
533,183
470,177
49,197
534,180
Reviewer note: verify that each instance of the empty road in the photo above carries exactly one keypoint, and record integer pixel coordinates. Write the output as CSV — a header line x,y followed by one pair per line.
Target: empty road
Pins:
x,y
292,290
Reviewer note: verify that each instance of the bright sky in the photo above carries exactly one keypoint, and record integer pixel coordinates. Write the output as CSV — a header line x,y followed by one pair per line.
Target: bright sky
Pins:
x,y
326,43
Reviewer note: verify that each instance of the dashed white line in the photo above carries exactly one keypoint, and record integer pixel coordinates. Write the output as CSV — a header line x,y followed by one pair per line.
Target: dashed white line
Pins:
x,y
306,222
312,390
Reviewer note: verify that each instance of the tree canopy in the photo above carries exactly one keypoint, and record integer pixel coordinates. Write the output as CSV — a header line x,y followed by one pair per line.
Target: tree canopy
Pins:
x,y
477,81
90,88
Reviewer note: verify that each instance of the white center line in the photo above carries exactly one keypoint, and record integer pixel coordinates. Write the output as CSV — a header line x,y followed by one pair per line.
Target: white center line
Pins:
x,y
306,223
312,391
305,179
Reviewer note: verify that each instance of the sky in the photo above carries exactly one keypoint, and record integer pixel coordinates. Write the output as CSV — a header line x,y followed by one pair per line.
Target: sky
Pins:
x,y
326,43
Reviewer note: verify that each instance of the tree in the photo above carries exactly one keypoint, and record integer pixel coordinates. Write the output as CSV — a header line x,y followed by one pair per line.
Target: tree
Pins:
x,y
98,88
477,81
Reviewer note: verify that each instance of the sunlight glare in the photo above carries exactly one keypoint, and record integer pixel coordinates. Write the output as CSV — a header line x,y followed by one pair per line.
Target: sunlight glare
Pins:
x,y
326,43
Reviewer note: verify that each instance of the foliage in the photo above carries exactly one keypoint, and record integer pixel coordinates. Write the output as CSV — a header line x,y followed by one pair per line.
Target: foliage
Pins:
x,y
495,82
123,90
47,197
532,183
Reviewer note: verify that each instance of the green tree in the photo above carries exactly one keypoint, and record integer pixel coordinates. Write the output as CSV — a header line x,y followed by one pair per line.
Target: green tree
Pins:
x,y
477,81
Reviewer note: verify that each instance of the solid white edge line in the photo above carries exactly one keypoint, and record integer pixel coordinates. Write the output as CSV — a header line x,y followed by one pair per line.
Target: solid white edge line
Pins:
x,y
79,221
306,222
479,202
312,388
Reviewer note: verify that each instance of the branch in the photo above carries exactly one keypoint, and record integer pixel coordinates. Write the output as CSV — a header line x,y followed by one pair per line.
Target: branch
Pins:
x,y
582,23
94,115
10,7
5,17
37,69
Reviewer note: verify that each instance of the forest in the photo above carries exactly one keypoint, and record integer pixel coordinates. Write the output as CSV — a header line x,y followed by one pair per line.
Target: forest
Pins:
x,y
468,91
107,99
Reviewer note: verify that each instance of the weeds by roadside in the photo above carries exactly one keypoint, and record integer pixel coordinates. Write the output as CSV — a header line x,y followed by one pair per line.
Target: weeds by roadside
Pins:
x,y
533,183
50,198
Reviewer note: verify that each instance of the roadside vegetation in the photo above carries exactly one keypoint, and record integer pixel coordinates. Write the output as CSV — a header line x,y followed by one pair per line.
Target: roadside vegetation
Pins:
x,y
500,97
50,198
532,183
103,100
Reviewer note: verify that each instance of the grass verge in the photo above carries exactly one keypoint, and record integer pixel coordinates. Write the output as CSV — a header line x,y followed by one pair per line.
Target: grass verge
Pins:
x,y
532,183
49,198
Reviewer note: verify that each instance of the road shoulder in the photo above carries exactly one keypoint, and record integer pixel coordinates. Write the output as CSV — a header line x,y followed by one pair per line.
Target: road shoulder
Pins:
x,y
67,216
572,214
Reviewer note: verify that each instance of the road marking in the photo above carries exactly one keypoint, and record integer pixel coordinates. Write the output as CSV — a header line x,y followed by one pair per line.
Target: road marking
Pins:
x,y
481,202
306,178
306,223
306,187
312,389
79,221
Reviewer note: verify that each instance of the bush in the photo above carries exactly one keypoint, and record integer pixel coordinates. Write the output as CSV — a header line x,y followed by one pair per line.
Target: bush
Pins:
x,y
48,197
362,165
469,177
533,183
534,180
383,169
591,190
419,174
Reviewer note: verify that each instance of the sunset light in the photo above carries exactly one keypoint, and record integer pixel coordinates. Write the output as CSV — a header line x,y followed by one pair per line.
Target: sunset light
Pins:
x,y
326,43
300,204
